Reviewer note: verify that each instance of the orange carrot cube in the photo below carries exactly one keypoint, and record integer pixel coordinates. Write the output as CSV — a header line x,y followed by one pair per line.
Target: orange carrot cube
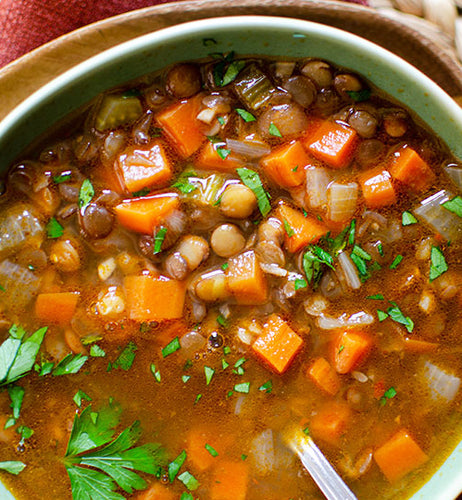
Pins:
x,y
56,307
246,280
285,165
324,376
399,456
230,480
377,187
144,166
349,349
331,422
410,169
278,345
209,159
333,143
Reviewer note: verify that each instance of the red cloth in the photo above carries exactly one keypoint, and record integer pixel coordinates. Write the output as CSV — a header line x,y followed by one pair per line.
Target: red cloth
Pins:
x,y
26,24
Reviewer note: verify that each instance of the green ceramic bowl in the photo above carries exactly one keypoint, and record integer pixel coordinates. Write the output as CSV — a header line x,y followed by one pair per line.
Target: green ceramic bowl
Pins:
x,y
270,36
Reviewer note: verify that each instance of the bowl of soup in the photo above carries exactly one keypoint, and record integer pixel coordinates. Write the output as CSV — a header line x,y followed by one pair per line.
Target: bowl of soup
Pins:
x,y
219,231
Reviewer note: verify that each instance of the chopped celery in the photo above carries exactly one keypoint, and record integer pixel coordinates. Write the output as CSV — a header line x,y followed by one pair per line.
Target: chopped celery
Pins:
x,y
207,190
116,110
254,87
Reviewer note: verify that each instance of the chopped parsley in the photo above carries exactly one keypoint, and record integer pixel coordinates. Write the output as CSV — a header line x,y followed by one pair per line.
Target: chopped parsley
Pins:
x,y
79,397
141,193
438,264
289,231
198,398
340,349
189,480
12,466
186,496
397,315
221,120
244,387
388,394
351,233
408,219
221,320
357,250
382,315
380,249
266,387
306,431
185,378
396,262
125,359
377,296
245,115
360,264
159,239
225,266
54,229
223,153
300,283
273,130
62,177
98,462
224,364
155,373
97,352
313,259
211,450
209,373
231,72
454,205
171,347
252,180
175,466
70,364
86,194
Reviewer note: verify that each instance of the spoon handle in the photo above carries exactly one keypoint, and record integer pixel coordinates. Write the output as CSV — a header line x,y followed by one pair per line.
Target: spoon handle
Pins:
x,y
320,469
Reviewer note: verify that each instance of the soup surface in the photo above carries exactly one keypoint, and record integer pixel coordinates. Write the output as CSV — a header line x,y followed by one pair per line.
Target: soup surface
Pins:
x,y
213,256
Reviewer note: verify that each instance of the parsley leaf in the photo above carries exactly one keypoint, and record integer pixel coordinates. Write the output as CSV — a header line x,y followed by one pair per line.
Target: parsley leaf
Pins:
x,y
12,466
86,194
408,219
171,347
112,465
273,130
388,394
125,358
189,480
396,261
396,315
454,205
267,387
382,315
252,180
300,283
438,265
377,296
231,72
245,115
97,352
244,387
211,450
70,364
54,229
159,239
79,397
175,466
62,177
209,373
223,153
289,231
16,394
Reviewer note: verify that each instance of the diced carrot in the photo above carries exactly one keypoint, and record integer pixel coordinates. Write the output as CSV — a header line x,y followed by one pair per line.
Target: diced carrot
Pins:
x,y
180,124
399,456
246,280
209,159
300,230
278,345
56,307
145,166
377,187
324,376
157,491
143,214
109,177
349,349
333,143
330,422
154,298
410,169
285,165
168,330
198,455
419,346
229,481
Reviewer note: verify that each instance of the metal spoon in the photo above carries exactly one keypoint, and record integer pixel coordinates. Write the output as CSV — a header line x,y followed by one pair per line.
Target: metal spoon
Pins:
x,y
322,472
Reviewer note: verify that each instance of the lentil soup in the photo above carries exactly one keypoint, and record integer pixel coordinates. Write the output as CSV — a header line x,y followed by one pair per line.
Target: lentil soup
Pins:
x,y
213,254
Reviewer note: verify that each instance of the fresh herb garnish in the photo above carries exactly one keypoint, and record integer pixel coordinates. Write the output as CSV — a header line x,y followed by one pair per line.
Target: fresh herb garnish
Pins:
x,y
352,231
79,397
380,249
223,153
357,250
16,394
18,353
70,364
54,229
209,373
454,205
360,264
175,466
252,180
186,496
388,394
221,120
300,283
397,315
221,320
273,130
62,177
289,231
360,95
159,239
12,466
141,193
396,262
438,265
189,480
225,266
185,378
408,219
211,450
198,398
171,347
244,387
125,359
97,352
267,387
86,194
381,315
377,296
245,115
231,72
98,463
155,373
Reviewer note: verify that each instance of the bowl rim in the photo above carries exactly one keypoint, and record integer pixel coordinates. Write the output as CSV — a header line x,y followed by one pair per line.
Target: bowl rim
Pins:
x,y
449,486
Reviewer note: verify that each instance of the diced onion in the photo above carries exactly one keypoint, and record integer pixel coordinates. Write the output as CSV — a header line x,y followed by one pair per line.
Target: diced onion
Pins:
x,y
315,305
262,453
248,149
273,269
360,318
444,222
455,174
244,335
442,385
349,270
342,200
20,285
317,180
